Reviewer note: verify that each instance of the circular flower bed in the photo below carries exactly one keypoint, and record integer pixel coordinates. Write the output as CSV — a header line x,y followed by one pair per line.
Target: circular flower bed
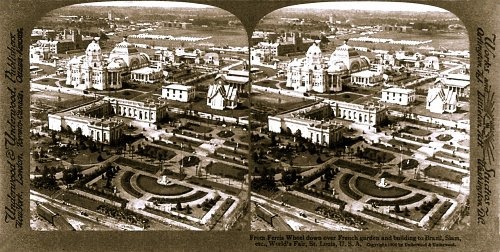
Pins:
x,y
150,185
225,134
189,161
369,187
408,164
444,137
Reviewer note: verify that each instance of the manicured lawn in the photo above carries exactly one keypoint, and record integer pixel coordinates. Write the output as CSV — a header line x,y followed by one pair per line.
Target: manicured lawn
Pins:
x,y
356,167
226,170
81,201
240,145
442,173
264,166
189,161
225,134
444,137
214,185
153,152
150,185
445,155
415,198
48,82
231,159
453,162
344,186
424,140
195,196
416,131
439,214
369,187
323,195
396,144
411,214
377,155
298,202
395,149
392,177
388,218
228,202
123,94
204,137
125,182
229,152
267,83
170,216
101,185
177,146
178,140
59,100
198,128
306,159
137,165
274,103
87,157
408,164
432,188
107,194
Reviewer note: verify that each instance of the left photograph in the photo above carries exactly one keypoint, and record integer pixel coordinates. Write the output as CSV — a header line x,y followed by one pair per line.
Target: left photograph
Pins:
x,y
139,118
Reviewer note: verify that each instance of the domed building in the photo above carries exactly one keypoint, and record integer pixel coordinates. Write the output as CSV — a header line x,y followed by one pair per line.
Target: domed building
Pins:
x,y
312,73
124,63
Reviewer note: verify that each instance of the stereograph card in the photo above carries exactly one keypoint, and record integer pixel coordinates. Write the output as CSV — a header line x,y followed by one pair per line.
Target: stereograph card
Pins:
x,y
249,125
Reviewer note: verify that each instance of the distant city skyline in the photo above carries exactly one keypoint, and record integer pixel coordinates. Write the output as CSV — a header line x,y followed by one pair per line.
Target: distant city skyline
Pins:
x,y
349,5
372,5
148,4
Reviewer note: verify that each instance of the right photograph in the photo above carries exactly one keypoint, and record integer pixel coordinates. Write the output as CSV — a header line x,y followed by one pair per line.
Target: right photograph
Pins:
x,y
360,118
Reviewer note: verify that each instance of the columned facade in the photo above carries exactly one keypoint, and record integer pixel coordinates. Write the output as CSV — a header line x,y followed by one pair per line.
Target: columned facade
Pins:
x,y
150,112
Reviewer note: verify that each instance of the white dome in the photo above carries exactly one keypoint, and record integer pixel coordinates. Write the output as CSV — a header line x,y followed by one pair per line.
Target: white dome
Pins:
x,y
313,50
124,48
93,47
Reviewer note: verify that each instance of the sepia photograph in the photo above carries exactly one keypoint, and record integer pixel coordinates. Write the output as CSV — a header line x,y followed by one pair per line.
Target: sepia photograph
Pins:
x,y
361,121
285,125
138,118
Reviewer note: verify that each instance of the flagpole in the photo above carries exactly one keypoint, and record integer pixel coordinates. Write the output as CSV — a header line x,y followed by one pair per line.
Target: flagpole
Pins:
x,y
401,160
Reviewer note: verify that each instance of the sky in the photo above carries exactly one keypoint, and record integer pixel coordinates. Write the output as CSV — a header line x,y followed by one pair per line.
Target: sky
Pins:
x,y
147,4
386,6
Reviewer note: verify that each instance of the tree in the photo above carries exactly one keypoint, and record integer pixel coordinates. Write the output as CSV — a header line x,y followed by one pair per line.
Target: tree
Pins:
x,y
71,175
359,153
132,149
100,158
69,130
397,209
47,180
36,155
407,212
160,155
379,161
78,132
53,136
